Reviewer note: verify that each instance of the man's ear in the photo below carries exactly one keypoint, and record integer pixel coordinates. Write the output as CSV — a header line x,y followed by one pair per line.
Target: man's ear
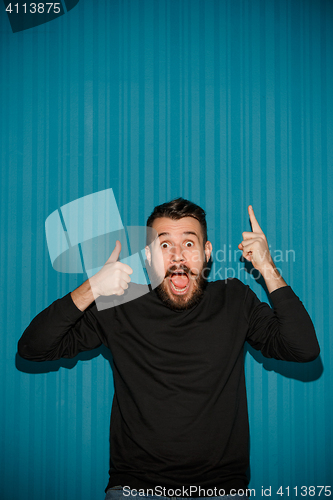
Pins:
x,y
148,254
208,250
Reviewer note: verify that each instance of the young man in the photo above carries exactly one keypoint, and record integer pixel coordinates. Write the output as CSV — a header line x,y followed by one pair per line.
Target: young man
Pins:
x,y
179,423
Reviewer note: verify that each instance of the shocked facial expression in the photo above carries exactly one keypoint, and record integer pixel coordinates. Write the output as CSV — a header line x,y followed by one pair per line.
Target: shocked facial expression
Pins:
x,y
184,257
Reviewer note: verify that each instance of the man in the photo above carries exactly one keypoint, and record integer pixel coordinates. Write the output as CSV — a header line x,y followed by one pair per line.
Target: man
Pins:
x,y
179,423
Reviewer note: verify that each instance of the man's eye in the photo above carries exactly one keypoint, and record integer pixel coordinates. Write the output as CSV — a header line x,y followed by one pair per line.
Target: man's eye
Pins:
x,y
189,244
164,244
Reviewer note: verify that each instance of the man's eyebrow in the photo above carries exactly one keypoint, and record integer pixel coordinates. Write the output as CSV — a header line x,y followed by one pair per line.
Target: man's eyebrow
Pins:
x,y
185,232
191,232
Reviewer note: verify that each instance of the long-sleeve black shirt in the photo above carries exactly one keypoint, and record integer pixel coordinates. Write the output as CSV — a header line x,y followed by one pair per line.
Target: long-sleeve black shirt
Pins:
x,y
179,414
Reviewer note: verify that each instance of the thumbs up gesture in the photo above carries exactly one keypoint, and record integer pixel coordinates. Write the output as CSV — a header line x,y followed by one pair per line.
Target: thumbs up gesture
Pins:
x,y
114,276
255,246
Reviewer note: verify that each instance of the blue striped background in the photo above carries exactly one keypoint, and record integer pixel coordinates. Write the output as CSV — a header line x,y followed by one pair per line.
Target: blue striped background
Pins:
x,y
225,102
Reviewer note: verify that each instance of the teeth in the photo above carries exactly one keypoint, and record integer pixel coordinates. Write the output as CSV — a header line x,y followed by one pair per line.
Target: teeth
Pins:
x,y
178,289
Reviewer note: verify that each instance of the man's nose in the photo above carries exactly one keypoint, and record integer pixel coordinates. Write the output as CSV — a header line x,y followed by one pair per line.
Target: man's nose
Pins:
x,y
177,254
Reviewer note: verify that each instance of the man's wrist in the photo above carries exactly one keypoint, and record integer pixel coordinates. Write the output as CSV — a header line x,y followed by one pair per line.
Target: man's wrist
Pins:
x,y
84,295
272,277
269,271
93,287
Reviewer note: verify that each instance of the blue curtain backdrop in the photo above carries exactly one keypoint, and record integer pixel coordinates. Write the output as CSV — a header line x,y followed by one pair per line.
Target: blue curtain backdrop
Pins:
x,y
224,102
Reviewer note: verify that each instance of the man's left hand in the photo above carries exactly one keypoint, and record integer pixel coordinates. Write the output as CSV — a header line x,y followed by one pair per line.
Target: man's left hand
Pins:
x,y
255,246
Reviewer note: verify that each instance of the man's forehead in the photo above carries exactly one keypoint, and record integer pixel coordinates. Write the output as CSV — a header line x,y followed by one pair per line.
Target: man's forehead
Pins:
x,y
178,227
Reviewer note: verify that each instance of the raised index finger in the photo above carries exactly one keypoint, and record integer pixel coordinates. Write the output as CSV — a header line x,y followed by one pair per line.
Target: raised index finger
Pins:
x,y
254,223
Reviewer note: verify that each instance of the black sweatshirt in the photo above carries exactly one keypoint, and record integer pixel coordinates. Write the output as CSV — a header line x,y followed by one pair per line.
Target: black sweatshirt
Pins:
x,y
179,414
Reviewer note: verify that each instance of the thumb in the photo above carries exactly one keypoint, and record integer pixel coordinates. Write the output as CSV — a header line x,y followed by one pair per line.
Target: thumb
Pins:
x,y
115,254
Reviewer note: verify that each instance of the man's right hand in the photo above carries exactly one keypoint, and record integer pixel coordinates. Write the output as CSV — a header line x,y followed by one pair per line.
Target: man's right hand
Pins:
x,y
112,279
114,276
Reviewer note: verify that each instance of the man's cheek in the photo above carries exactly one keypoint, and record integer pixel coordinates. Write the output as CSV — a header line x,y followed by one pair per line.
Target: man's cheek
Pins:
x,y
195,270
196,256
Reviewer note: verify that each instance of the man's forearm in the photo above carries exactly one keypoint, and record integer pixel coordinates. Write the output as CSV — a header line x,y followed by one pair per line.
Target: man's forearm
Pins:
x,y
273,278
83,296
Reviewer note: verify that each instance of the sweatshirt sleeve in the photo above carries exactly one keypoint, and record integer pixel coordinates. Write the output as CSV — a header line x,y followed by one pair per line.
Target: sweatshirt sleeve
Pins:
x,y
285,332
60,331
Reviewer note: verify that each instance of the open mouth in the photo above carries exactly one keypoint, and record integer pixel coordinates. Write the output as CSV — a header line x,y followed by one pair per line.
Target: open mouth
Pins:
x,y
179,282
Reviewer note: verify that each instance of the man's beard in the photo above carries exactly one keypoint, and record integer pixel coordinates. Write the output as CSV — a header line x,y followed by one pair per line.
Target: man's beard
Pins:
x,y
179,302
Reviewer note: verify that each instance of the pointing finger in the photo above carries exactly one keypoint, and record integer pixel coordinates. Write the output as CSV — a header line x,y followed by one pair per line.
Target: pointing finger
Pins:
x,y
254,223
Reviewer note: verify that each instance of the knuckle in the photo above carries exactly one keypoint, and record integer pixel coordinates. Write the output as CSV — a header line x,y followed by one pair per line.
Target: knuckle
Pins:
x,y
116,284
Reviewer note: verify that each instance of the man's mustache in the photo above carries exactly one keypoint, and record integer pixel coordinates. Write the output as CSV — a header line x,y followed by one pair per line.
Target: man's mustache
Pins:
x,y
174,269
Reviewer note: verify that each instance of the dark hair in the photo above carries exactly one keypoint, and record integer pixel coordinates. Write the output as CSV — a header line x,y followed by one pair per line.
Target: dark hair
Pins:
x,y
177,209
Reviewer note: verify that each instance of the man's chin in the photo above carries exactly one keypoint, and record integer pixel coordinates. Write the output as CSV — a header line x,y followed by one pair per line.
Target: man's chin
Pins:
x,y
178,302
